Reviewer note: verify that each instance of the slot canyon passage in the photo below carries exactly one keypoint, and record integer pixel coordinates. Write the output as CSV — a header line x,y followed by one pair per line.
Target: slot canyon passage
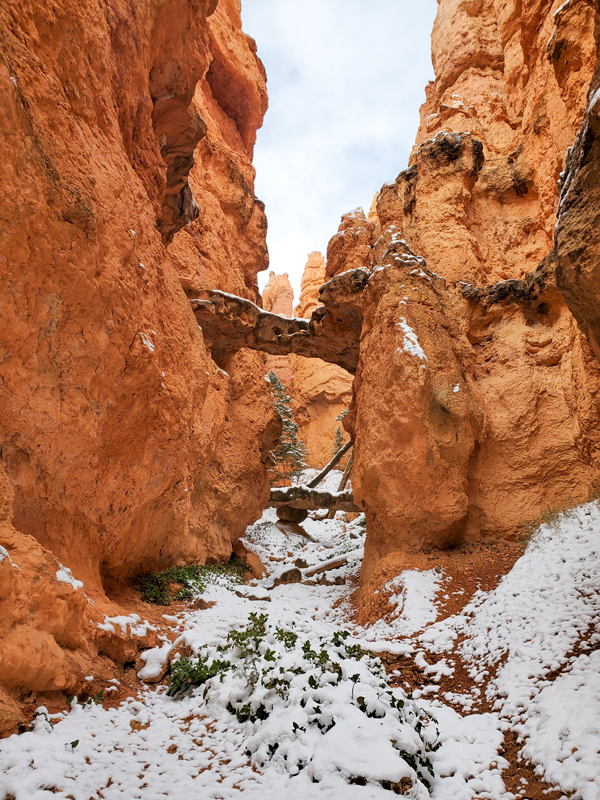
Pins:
x,y
195,600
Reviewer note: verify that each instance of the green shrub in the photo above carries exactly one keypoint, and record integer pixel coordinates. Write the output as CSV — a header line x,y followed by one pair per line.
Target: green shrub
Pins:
x,y
154,586
262,671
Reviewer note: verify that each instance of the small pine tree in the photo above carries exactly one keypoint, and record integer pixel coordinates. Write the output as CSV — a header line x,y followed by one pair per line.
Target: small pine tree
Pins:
x,y
339,433
339,440
291,453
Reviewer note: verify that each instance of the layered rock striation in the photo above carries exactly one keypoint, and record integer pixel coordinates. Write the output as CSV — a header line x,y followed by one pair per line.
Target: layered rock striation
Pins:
x,y
127,133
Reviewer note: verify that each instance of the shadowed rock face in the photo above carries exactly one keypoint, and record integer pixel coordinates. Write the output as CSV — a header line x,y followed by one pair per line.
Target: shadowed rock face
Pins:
x,y
577,248
179,128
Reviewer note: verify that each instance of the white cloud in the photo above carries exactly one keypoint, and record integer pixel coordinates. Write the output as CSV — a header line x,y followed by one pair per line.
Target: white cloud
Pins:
x,y
345,80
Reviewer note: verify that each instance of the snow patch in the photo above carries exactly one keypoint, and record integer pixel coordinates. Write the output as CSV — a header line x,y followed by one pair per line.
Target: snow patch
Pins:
x,y
134,622
147,341
411,343
64,575
154,660
4,554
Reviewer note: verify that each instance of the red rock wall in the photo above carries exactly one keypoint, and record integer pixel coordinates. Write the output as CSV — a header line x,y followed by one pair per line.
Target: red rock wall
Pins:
x,y
513,76
478,202
126,447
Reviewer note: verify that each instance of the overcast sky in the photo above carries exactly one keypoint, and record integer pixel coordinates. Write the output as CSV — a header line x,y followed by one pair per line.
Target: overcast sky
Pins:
x,y
345,81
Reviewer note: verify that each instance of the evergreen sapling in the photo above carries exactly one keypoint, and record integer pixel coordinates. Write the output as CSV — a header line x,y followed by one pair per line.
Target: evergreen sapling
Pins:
x,y
290,454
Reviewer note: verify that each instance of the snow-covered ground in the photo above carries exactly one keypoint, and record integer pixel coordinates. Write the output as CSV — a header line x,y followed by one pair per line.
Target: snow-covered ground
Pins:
x,y
529,646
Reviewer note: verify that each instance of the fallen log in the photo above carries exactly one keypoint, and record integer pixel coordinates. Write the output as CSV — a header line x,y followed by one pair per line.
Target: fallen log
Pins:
x,y
326,470
343,482
305,497
325,566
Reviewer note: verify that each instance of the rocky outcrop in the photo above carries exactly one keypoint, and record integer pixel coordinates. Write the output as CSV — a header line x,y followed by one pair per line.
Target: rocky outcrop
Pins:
x,y
415,420
479,197
126,447
478,385
350,248
53,634
313,278
231,323
225,247
278,295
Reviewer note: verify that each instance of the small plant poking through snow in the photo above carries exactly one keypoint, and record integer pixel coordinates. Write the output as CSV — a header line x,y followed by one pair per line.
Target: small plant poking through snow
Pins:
x,y
154,586
552,516
303,698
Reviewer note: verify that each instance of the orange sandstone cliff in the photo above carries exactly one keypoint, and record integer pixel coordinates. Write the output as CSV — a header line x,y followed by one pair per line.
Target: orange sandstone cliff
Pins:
x,y
475,409
135,427
127,134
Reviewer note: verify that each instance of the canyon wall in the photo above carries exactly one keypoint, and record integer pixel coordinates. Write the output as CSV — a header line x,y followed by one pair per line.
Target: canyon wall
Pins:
x,y
125,447
577,248
476,409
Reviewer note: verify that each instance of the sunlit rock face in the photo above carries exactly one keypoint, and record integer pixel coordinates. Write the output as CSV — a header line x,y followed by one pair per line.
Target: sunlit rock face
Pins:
x,y
511,84
127,134
350,248
313,278
278,295
478,202
225,247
